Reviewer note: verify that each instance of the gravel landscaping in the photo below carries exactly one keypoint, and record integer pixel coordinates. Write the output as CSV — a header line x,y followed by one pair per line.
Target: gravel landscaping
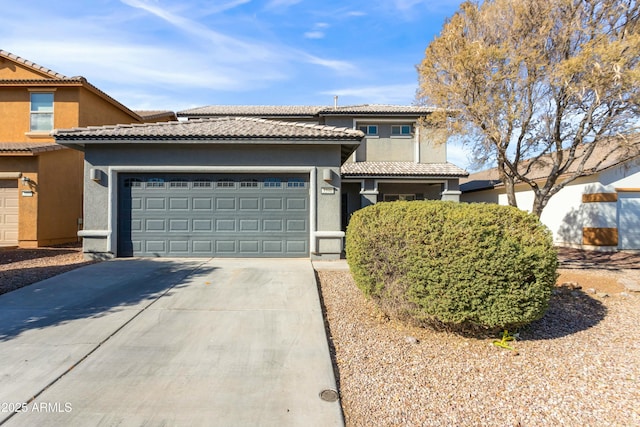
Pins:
x,y
21,267
578,366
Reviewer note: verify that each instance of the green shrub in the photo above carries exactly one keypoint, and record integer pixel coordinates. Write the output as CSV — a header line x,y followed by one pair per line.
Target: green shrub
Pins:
x,y
466,267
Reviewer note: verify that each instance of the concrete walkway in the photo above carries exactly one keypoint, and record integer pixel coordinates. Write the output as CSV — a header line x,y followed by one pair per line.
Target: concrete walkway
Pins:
x,y
168,342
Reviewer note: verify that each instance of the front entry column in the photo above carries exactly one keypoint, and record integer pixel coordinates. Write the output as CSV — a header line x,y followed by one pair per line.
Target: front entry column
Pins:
x,y
368,192
451,191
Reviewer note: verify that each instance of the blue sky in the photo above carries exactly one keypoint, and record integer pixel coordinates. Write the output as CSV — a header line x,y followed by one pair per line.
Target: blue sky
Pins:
x,y
161,54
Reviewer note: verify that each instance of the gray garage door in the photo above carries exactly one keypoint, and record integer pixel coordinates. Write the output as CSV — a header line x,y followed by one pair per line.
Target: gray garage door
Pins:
x,y
230,215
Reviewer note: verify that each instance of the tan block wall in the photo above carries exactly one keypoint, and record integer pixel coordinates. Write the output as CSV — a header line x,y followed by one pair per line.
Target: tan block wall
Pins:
x,y
60,196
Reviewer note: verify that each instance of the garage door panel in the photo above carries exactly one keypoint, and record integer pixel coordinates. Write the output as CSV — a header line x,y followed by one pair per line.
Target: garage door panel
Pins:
x,y
179,204
213,215
226,203
179,247
297,204
202,247
202,225
224,225
272,247
272,204
156,246
297,246
202,204
179,225
155,203
247,247
249,204
299,225
272,225
155,225
249,225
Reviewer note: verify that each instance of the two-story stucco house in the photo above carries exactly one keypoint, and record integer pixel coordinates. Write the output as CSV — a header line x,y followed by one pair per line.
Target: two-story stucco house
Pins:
x,y
399,159
252,181
41,182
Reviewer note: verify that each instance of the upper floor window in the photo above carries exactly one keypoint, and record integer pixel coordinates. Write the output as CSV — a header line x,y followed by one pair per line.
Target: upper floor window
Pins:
x,y
404,130
369,129
41,111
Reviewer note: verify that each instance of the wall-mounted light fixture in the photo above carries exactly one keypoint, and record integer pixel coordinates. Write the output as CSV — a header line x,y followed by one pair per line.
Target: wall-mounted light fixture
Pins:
x,y
26,180
95,175
327,175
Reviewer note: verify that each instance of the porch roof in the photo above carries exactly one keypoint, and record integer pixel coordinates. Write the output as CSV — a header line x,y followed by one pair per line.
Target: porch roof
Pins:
x,y
401,169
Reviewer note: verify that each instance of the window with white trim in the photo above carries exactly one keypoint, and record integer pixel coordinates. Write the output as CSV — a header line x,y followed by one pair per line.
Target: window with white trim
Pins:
x,y
41,112
370,130
401,130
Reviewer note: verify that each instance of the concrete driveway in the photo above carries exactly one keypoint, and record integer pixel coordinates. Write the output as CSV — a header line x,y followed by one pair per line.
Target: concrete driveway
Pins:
x,y
168,342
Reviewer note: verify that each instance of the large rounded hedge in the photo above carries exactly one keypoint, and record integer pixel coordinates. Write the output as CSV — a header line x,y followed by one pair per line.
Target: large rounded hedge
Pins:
x,y
462,266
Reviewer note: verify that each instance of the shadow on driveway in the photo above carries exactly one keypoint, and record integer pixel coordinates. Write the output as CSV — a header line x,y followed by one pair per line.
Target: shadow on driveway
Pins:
x,y
92,291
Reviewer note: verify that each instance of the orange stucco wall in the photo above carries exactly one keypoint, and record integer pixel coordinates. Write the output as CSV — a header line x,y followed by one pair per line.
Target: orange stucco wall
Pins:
x,y
50,216
60,196
95,111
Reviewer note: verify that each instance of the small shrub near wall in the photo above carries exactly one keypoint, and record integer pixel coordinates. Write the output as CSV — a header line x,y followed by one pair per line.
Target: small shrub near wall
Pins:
x,y
465,267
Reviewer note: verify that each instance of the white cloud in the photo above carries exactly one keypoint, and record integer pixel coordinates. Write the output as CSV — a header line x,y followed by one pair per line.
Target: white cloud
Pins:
x,y
314,35
282,3
207,9
343,67
384,94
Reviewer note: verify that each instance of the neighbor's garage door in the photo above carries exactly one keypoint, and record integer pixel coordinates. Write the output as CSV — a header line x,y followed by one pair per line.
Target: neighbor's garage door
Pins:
x,y
629,220
8,212
218,215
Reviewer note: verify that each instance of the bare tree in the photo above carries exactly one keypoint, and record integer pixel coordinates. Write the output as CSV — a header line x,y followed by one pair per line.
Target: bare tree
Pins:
x,y
536,81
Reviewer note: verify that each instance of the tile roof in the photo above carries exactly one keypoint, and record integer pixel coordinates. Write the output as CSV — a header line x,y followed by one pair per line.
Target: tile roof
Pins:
x,y
32,65
253,110
302,110
155,114
222,128
379,109
403,169
607,154
28,147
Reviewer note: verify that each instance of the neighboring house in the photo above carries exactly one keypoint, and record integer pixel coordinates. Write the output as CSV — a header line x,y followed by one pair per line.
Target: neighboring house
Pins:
x,y
399,159
599,211
40,181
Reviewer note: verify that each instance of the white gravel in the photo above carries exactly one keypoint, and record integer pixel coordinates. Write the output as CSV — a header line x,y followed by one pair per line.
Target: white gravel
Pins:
x,y
578,366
